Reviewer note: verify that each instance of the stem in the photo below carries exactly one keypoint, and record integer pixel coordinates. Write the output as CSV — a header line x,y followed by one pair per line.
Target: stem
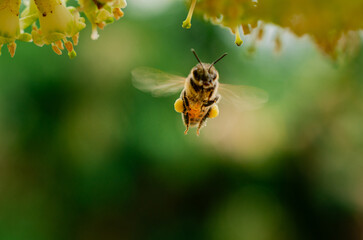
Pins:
x,y
188,21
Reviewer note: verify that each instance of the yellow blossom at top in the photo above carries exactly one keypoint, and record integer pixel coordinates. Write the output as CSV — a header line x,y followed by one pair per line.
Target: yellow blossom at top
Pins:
x,y
52,22
102,12
10,26
57,23
326,21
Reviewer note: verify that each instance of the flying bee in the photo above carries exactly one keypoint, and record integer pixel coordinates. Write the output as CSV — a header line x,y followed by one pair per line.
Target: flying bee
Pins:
x,y
201,92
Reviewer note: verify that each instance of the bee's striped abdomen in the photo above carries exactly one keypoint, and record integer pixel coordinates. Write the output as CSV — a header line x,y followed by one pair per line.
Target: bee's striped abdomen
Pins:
x,y
196,113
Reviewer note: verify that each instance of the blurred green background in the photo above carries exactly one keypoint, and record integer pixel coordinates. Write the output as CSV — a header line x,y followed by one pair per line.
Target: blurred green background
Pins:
x,y
85,155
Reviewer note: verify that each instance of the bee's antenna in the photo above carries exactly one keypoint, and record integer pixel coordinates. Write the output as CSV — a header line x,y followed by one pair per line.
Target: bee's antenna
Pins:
x,y
195,54
224,54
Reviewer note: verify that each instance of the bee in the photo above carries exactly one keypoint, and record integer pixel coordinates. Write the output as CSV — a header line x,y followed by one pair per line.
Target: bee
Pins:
x,y
200,91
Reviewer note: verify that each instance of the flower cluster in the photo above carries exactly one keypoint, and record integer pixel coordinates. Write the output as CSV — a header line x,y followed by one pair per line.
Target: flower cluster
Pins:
x,y
329,22
52,22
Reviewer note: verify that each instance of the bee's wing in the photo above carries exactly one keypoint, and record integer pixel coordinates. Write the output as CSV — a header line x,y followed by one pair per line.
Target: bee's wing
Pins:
x,y
243,97
156,81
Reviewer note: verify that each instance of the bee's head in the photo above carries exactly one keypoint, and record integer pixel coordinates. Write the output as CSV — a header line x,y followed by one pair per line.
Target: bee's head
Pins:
x,y
204,73
204,77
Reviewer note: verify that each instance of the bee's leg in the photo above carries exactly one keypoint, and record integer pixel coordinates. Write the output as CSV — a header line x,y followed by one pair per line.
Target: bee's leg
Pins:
x,y
198,130
202,121
185,112
211,102
185,101
186,121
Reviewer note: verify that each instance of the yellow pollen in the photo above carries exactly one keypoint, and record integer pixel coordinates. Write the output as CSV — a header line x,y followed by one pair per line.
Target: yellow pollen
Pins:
x,y
118,13
59,44
12,48
69,45
214,111
178,105
75,39
56,49
101,25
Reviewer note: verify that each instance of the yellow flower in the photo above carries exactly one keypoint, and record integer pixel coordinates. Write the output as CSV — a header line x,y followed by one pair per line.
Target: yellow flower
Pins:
x,y
57,23
53,22
326,21
9,25
234,14
102,12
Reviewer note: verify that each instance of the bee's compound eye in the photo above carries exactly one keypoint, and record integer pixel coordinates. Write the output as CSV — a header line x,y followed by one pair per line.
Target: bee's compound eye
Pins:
x,y
195,74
